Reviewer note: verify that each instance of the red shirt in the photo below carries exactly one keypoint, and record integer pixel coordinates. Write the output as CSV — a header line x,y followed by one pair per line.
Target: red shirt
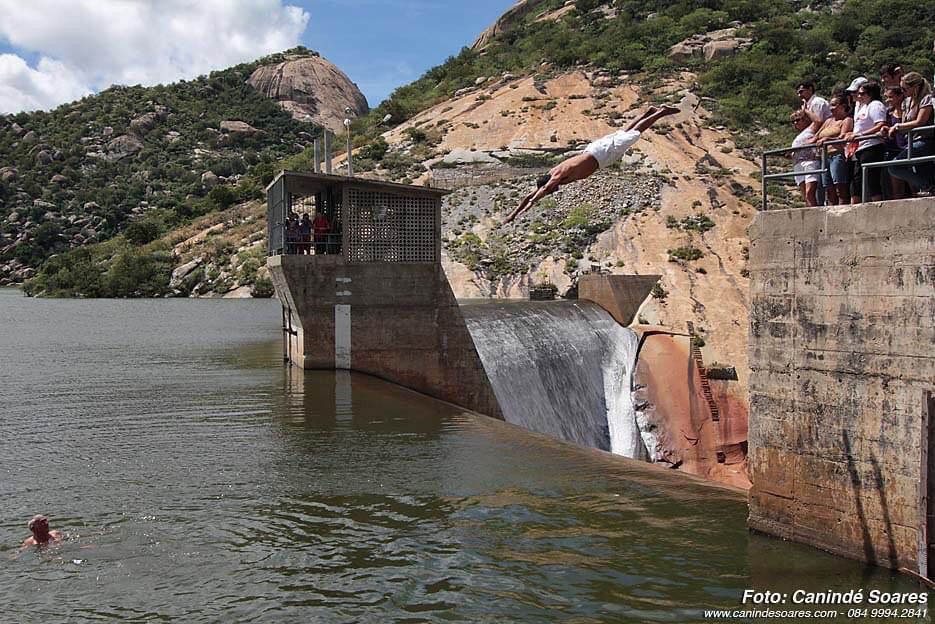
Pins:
x,y
320,224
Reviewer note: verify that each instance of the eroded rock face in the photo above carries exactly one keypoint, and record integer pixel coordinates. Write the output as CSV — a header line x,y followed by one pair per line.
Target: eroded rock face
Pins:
x,y
311,86
511,16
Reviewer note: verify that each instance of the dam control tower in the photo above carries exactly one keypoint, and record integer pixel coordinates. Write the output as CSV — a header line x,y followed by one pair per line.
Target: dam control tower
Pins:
x,y
362,286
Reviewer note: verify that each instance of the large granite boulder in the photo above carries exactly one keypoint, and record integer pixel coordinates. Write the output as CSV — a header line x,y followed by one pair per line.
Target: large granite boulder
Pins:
x,y
710,46
146,122
123,146
233,126
312,89
512,16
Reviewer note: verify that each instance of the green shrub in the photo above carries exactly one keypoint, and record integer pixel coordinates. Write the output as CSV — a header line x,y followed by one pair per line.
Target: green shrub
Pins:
x,y
263,288
687,254
417,135
144,231
138,274
375,150
579,216
532,160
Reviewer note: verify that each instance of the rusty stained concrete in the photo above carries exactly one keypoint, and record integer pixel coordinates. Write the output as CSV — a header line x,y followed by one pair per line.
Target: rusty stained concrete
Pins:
x,y
842,356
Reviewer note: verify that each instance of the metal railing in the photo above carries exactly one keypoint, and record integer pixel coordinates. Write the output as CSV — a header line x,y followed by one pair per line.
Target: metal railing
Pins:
x,y
314,245
908,161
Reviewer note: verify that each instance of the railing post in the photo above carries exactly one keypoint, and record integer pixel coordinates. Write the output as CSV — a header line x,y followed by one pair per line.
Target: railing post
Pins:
x,y
824,167
763,179
863,185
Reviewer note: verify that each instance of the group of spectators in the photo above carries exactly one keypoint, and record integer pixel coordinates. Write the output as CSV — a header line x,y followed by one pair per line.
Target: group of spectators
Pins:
x,y
299,234
873,119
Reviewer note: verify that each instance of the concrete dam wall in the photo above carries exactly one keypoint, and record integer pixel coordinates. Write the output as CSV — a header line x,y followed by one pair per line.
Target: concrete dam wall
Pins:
x,y
371,296
842,352
567,369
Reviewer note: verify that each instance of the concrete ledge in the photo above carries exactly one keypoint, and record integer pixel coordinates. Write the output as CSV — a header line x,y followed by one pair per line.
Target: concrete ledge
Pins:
x,y
620,295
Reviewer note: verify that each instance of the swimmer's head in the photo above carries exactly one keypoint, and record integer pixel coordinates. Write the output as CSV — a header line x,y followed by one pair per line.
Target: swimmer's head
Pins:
x,y
37,521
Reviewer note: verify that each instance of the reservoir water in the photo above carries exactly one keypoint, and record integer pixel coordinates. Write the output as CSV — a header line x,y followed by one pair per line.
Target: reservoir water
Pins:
x,y
198,479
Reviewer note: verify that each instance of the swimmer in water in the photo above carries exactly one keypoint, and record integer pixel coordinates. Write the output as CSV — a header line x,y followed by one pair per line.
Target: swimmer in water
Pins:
x,y
41,535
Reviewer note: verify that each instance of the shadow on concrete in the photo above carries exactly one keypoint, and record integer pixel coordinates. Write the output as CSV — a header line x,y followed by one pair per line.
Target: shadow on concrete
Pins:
x,y
884,507
870,554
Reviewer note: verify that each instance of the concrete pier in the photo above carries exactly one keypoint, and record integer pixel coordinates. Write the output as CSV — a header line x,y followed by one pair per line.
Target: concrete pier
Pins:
x,y
399,322
842,357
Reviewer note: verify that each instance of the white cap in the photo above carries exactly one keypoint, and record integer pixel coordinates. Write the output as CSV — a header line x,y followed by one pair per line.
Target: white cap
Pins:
x,y
857,83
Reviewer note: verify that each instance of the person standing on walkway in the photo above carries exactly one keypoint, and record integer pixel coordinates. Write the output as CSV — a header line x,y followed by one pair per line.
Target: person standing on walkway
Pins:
x,y
869,120
322,228
305,235
917,113
813,103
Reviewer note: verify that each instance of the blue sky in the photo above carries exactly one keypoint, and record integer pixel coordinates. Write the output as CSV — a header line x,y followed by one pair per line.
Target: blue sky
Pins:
x,y
384,44
56,51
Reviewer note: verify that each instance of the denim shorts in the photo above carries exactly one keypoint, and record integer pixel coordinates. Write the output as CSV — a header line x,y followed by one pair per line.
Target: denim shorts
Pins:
x,y
838,171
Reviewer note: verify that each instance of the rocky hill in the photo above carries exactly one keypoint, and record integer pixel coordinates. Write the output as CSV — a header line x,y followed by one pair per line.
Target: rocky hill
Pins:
x,y
311,89
678,206
135,163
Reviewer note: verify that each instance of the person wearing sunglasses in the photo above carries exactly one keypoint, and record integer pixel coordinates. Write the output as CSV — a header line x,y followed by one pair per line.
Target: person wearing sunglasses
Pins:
x,y
917,112
869,120
806,160
811,102
836,181
894,143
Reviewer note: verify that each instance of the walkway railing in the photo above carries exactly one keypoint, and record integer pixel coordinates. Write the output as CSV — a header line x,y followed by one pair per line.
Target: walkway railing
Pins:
x,y
319,244
823,148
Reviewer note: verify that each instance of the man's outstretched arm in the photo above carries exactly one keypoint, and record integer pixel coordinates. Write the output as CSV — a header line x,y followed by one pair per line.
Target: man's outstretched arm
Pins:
x,y
575,168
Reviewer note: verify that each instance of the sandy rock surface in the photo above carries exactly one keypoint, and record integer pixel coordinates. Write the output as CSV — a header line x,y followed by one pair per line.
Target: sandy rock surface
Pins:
x,y
311,87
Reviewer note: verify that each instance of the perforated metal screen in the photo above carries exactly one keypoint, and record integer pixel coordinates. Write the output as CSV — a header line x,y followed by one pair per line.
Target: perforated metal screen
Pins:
x,y
386,227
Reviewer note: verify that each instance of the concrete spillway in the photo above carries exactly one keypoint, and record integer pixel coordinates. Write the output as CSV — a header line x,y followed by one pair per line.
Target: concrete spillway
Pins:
x,y
377,301
562,369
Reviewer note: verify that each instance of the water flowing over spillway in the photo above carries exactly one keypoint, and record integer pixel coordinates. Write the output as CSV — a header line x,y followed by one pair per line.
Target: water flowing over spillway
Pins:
x,y
562,369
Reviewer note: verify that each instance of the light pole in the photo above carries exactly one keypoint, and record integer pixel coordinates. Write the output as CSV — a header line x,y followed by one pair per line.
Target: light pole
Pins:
x,y
350,168
347,126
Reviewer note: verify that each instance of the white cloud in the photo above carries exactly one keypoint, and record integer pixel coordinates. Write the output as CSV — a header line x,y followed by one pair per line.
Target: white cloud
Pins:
x,y
24,88
87,45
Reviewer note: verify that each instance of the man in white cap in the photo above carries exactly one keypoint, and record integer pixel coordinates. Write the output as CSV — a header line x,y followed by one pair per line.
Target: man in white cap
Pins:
x,y
856,83
39,525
